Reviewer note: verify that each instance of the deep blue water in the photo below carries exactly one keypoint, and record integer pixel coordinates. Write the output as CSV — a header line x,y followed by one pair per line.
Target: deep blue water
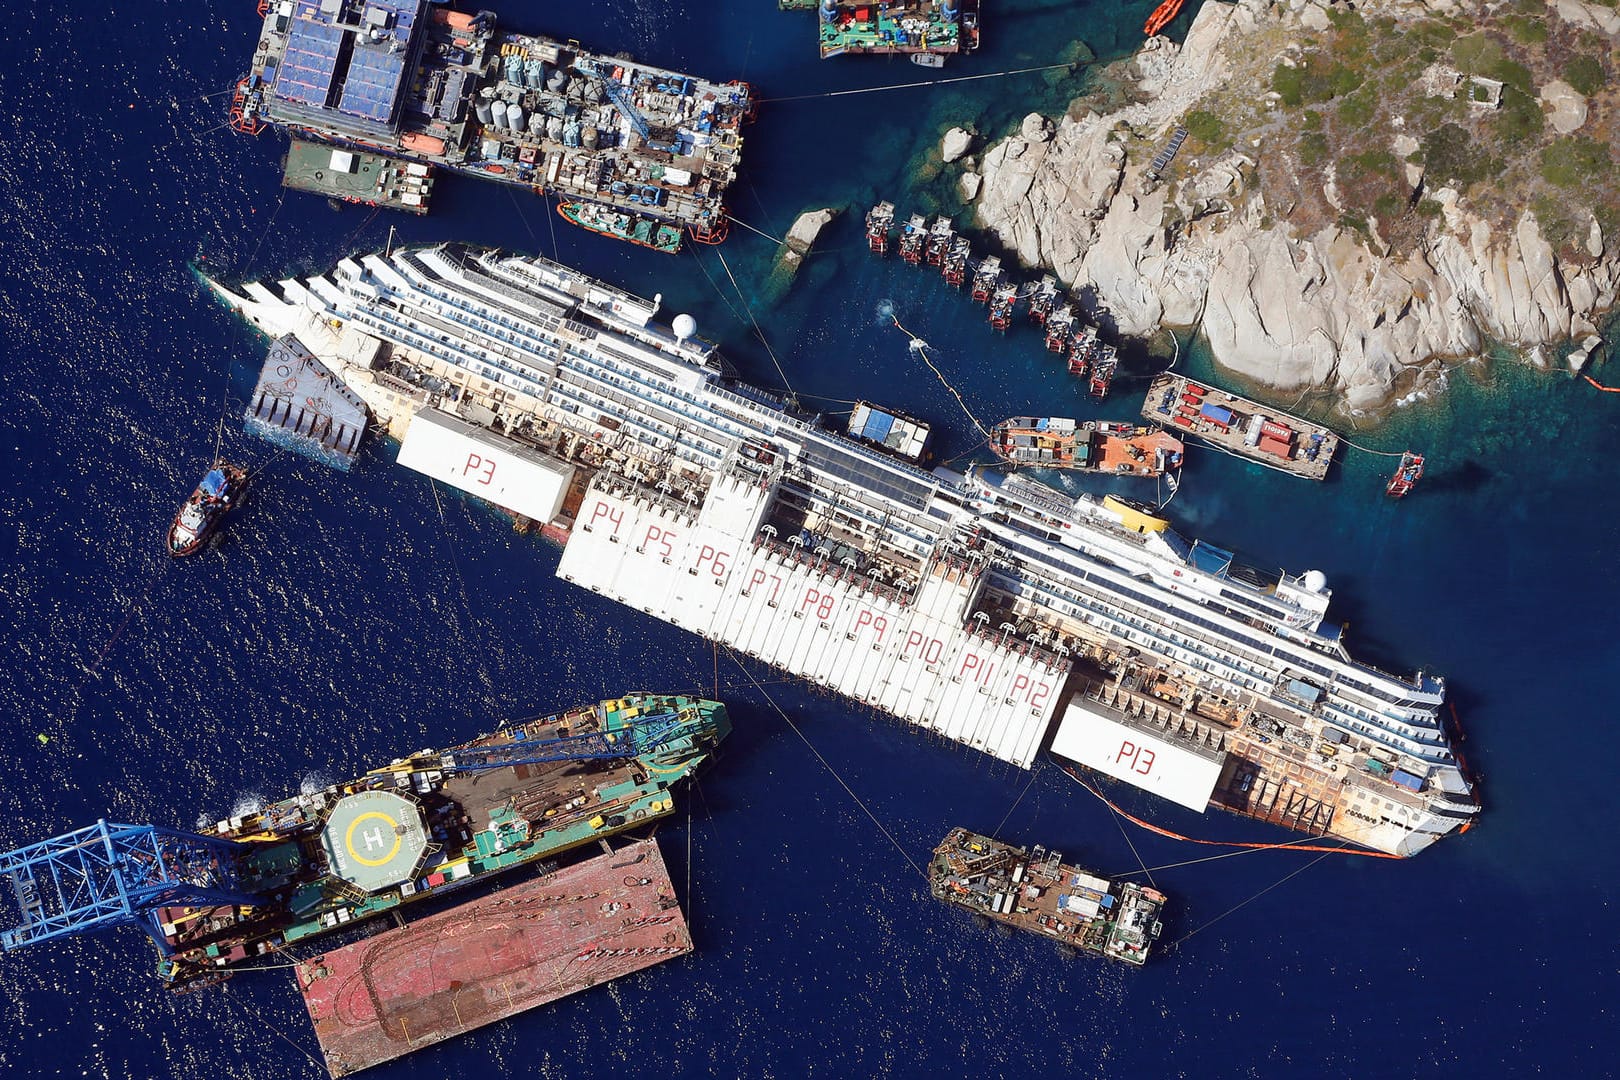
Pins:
x,y
340,622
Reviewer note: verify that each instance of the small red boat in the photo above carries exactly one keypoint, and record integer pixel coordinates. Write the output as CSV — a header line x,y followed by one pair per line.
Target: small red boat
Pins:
x,y
201,514
1407,474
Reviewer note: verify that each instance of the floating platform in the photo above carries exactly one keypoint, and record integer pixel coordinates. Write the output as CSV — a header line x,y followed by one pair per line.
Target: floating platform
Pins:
x,y
1036,891
920,27
515,950
1240,426
358,177
298,403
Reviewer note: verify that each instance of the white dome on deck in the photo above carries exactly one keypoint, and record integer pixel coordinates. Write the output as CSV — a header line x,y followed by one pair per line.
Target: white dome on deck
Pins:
x,y
684,326
1315,581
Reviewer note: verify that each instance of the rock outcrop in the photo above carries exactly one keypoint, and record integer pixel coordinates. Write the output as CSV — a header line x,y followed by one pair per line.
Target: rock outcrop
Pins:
x,y
955,144
1328,309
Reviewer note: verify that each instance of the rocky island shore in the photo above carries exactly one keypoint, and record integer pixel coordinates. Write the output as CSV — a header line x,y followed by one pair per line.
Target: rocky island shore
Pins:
x,y
1364,192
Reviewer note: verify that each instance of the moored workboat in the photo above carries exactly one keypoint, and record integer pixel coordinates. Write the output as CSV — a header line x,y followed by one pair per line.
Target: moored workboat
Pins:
x,y
879,224
622,225
985,279
913,235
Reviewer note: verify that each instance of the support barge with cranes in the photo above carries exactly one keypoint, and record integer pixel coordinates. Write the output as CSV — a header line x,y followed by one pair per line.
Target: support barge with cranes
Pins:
x,y
421,83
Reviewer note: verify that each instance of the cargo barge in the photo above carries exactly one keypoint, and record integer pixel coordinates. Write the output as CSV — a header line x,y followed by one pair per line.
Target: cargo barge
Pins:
x,y
1037,892
412,986
1240,426
918,28
421,83
986,608
420,827
355,176
1101,446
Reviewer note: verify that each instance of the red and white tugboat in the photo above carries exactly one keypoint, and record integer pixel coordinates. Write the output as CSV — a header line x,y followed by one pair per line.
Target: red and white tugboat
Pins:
x,y
940,235
1083,350
1002,304
201,514
1060,329
912,238
1102,371
986,278
879,223
1407,474
954,269
1043,300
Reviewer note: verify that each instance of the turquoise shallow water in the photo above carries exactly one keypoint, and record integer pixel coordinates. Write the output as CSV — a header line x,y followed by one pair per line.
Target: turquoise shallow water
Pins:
x,y
342,622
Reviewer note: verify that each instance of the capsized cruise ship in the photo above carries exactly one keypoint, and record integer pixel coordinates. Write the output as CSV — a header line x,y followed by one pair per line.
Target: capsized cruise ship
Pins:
x,y
992,610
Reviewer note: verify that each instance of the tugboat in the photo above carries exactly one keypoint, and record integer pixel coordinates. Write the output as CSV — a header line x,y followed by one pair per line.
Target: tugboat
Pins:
x,y
986,278
1060,329
912,238
879,223
201,514
940,235
1102,371
1002,304
622,225
1407,474
954,269
1083,350
1044,300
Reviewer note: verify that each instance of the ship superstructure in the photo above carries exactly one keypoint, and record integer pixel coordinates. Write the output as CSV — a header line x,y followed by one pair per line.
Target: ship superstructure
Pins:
x,y
421,82
993,610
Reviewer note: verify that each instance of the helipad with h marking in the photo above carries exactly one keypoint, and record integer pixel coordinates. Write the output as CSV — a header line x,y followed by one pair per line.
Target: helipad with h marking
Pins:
x,y
374,839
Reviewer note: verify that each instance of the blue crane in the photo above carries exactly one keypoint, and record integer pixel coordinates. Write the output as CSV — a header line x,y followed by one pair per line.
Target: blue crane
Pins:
x,y
646,734
115,875
621,101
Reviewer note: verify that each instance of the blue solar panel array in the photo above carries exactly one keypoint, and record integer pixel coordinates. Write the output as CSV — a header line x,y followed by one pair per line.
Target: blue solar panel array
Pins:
x,y
306,71
376,69
373,82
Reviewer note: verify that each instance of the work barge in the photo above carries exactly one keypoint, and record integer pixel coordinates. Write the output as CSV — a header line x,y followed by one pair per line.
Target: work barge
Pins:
x,y
1241,427
988,609
419,82
1037,892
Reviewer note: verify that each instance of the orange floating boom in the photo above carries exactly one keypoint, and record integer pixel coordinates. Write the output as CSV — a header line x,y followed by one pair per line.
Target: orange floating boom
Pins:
x,y
1600,386
1161,16
1223,843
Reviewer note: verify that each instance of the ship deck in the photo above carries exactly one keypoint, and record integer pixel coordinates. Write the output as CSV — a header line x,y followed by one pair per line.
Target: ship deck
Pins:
x,y
517,949
1305,449
358,177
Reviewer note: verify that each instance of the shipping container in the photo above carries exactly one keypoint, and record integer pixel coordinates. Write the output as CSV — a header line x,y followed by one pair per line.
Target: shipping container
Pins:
x,y
1276,446
1218,414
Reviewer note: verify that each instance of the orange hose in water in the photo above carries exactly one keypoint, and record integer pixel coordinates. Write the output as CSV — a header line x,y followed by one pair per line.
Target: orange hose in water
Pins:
x,y
1600,386
1161,17
1222,843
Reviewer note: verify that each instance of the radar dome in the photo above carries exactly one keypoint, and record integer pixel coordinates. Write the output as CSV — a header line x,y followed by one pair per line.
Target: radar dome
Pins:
x,y
685,326
1315,580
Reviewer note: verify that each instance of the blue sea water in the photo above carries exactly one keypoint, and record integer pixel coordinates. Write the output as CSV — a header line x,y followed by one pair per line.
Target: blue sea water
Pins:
x,y
347,618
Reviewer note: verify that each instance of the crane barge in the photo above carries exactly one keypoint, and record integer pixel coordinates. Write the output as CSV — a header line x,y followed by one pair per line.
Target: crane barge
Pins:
x,y
418,827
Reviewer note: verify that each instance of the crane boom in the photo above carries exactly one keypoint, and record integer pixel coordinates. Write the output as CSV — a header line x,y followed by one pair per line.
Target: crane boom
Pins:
x,y
645,734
